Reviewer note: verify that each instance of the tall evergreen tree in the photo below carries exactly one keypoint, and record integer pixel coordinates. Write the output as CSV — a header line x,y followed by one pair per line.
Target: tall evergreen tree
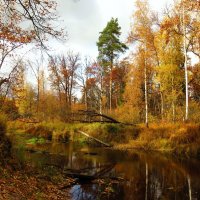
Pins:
x,y
109,46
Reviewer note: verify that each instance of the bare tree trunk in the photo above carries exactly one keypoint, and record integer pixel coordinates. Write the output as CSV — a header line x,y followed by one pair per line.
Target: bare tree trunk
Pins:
x,y
146,97
173,111
38,91
37,76
189,187
85,97
147,181
162,105
185,66
86,100
110,85
173,100
100,100
110,94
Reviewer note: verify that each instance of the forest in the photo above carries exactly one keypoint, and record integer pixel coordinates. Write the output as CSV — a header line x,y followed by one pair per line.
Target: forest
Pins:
x,y
141,94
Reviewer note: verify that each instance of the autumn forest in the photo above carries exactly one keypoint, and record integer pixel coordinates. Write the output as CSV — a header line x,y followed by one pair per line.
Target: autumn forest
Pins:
x,y
141,94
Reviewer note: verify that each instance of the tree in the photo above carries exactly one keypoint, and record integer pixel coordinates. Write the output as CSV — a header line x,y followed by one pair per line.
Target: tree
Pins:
x,y
183,20
109,46
119,74
132,106
18,87
83,75
63,75
39,16
95,87
195,82
40,79
23,22
142,35
169,74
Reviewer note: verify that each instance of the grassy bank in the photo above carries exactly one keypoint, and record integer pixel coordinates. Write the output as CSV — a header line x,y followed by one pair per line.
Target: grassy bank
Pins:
x,y
59,132
111,133
179,139
21,180
62,132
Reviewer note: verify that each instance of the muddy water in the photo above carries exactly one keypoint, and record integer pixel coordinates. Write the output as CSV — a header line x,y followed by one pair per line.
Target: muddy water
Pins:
x,y
134,176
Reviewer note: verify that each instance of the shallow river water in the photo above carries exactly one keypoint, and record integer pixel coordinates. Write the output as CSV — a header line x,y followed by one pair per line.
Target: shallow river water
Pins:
x,y
134,176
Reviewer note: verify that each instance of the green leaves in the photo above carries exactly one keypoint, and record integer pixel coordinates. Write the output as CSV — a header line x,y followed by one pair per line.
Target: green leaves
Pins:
x,y
109,45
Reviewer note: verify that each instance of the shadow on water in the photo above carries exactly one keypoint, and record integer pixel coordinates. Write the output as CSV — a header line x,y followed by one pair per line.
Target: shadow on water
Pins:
x,y
142,175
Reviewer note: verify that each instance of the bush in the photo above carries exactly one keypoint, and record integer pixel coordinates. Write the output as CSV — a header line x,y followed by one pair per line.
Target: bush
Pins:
x,y
36,141
111,133
194,112
128,114
5,144
111,128
52,131
186,135
41,131
3,121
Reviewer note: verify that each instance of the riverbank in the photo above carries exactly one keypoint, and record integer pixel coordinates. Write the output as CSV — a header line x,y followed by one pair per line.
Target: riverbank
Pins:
x,y
179,139
21,180
27,182
45,178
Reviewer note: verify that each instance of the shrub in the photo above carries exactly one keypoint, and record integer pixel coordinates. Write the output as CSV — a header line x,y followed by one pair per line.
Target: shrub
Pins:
x,y
5,144
52,131
36,141
111,133
2,125
112,128
41,131
185,135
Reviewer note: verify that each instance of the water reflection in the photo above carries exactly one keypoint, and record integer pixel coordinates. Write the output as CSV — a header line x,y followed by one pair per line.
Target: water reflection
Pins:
x,y
145,176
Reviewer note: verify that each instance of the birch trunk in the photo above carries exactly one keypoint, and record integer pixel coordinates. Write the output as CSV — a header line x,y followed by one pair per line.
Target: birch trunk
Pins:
x,y
147,181
162,105
146,95
110,89
189,187
185,65
100,100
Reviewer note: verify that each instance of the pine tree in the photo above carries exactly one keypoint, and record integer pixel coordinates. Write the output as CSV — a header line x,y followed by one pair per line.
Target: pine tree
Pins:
x,y
109,46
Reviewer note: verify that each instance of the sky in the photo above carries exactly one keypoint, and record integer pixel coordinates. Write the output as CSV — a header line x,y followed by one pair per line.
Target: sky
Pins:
x,y
84,19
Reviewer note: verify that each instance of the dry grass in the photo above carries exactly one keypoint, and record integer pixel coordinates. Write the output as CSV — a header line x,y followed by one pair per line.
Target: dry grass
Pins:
x,y
175,138
111,133
41,131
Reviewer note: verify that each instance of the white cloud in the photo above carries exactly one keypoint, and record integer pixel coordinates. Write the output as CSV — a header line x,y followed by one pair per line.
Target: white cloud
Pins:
x,y
84,19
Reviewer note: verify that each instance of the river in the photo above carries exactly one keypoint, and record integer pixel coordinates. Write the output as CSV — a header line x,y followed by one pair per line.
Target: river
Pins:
x,y
133,175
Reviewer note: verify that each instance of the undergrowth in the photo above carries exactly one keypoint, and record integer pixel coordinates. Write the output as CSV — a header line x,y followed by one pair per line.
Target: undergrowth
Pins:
x,y
180,139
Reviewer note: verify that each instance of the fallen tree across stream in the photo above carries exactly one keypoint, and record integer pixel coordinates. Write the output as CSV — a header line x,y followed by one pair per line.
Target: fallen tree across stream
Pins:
x,y
97,140
83,175
90,116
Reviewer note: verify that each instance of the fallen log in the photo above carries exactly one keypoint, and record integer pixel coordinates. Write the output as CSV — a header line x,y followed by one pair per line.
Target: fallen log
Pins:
x,y
82,177
92,117
87,177
104,171
97,140
95,114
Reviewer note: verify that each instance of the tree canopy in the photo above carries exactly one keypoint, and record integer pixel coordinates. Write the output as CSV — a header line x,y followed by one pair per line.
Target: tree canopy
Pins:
x,y
109,44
